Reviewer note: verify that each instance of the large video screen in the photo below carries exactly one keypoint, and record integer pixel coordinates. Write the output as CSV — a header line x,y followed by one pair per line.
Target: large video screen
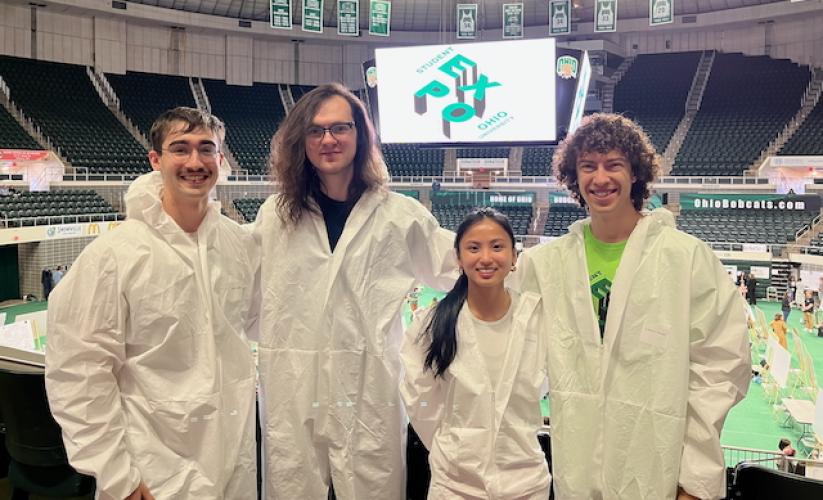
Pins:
x,y
493,92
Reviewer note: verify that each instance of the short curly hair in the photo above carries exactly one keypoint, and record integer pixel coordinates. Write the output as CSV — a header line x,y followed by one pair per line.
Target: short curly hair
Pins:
x,y
601,133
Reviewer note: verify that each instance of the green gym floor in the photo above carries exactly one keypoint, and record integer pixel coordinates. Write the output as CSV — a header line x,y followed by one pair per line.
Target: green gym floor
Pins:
x,y
751,424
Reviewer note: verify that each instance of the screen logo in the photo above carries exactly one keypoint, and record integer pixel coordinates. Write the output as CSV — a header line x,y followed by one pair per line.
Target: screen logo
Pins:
x,y
467,78
567,67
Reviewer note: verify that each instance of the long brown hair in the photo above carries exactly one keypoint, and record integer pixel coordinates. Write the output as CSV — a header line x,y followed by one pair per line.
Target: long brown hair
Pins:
x,y
295,173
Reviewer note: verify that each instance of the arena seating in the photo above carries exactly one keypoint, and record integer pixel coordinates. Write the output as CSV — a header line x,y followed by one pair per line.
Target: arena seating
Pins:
x,y
654,91
143,96
298,91
252,115
537,161
450,216
748,100
61,100
248,207
483,153
38,208
808,139
561,216
772,228
412,160
12,135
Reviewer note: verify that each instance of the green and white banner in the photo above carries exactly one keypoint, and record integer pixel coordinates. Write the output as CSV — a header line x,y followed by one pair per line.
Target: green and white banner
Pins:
x,y
379,17
313,16
482,198
750,202
605,15
280,14
513,20
466,20
348,17
560,17
661,12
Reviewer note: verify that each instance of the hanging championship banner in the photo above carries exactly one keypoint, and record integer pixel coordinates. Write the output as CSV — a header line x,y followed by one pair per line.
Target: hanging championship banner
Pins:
x,y
313,16
379,17
605,15
466,20
280,15
560,17
348,17
661,12
512,20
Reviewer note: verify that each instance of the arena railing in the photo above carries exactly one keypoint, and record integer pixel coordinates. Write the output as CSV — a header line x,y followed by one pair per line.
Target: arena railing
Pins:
x,y
56,220
704,180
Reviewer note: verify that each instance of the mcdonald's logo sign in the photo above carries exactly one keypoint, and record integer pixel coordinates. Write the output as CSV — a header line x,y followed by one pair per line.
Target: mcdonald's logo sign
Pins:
x,y
113,225
93,229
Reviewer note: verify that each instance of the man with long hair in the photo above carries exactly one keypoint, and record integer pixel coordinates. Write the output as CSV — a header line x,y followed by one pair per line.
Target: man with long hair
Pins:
x,y
647,345
339,254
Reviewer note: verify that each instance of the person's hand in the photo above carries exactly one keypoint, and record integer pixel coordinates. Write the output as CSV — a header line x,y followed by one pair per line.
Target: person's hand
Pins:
x,y
682,495
141,493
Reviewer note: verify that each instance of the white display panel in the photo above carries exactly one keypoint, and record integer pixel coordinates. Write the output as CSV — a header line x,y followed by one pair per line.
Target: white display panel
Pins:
x,y
508,92
581,93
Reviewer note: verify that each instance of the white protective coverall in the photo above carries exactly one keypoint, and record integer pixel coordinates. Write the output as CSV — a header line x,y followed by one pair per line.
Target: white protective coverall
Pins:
x,y
636,415
482,437
330,333
148,370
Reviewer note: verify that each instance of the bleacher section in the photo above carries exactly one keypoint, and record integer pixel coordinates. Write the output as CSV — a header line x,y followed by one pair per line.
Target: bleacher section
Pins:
x,y
298,91
450,208
771,228
143,96
808,139
561,216
748,100
483,153
252,115
817,244
12,135
61,100
653,92
412,160
248,207
39,208
451,216
537,161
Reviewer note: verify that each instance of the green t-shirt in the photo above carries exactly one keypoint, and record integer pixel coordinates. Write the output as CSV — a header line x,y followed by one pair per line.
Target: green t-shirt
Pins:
x,y
602,260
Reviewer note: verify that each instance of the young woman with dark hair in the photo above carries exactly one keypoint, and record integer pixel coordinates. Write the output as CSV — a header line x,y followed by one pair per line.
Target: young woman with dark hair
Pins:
x,y
473,373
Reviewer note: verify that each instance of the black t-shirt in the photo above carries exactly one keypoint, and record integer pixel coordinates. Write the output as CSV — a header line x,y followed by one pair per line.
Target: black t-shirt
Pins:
x,y
335,214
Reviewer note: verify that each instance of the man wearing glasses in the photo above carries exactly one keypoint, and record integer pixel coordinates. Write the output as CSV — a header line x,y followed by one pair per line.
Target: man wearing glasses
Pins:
x,y
148,369
339,254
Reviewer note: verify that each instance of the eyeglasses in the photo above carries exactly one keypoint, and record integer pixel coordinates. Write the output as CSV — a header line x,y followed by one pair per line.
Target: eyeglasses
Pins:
x,y
337,130
182,152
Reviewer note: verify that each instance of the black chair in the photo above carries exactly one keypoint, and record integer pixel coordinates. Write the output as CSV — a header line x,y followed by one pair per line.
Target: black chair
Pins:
x,y
38,464
752,482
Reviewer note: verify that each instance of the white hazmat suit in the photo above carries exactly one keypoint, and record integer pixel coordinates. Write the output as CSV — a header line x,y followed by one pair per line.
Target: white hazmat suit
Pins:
x,y
640,413
148,369
330,333
481,436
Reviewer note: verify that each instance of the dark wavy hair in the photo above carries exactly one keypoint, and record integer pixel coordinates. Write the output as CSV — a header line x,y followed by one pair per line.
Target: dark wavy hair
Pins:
x,y
195,119
601,133
442,322
296,175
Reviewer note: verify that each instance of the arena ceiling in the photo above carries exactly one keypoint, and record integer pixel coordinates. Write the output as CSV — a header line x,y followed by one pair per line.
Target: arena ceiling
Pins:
x,y
437,15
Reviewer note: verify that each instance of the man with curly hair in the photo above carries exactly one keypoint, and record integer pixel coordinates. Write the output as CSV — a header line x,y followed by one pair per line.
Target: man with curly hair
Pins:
x,y
647,343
